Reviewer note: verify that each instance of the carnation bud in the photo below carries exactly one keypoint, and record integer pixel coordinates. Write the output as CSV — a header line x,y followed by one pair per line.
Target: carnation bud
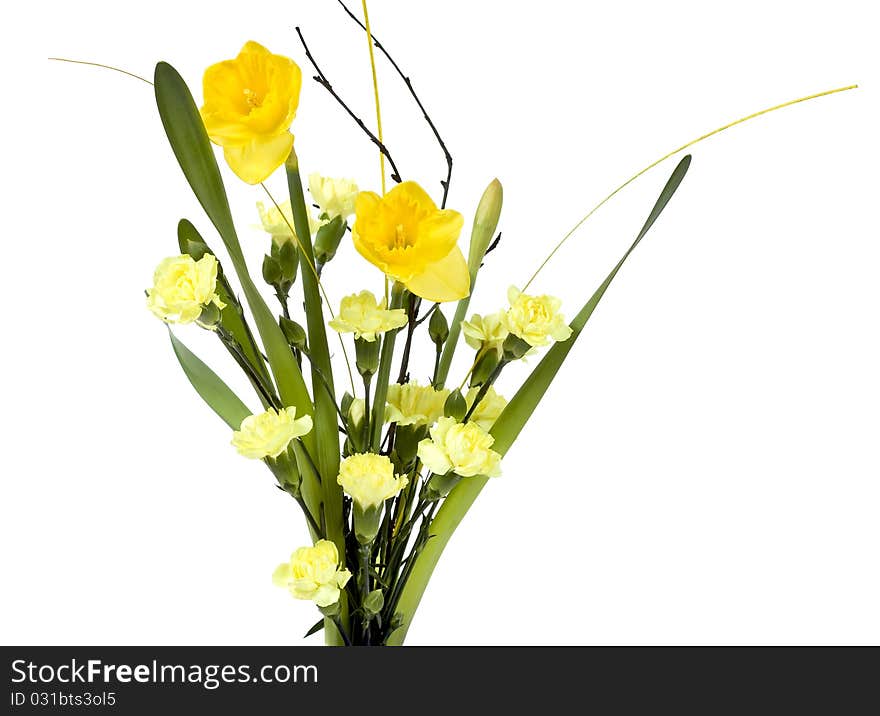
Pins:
x,y
455,406
367,356
294,333
439,486
271,270
327,240
288,261
485,366
515,347
209,317
438,328
374,602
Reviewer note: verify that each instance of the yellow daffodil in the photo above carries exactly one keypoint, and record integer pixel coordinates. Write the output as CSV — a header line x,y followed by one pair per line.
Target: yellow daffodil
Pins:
x,y
183,287
278,224
412,241
268,434
461,448
535,319
250,103
313,573
488,409
369,479
414,404
362,315
335,197
484,331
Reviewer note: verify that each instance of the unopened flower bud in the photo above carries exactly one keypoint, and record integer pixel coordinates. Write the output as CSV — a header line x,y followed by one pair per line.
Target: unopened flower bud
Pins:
x,y
455,406
438,328
485,222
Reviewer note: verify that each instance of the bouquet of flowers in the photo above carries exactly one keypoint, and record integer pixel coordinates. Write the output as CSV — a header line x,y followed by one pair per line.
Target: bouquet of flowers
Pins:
x,y
385,468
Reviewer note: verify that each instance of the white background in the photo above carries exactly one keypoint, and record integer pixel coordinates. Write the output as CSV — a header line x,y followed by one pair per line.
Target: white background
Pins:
x,y
705,469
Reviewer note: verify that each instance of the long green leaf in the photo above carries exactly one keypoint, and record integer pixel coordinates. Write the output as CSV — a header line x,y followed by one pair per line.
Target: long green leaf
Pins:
x,y
208,384
326,424
189,141
509,425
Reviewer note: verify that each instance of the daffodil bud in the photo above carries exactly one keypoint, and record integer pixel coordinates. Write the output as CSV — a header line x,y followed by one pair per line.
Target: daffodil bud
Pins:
x,y
486,364
271,270
374,602
367,356
485,223
294,333
438,328
515,347
455,406
327,240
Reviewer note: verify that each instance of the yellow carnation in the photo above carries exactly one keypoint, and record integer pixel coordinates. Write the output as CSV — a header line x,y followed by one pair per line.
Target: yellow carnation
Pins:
x,y
182,287
488,409
462,448
535,319
369,479
406,236
335,197
362,315
268,434
278,224
414,404
313,573
250,103
485,331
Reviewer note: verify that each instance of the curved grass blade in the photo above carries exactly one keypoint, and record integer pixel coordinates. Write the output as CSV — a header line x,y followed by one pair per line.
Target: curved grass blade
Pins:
x,y
510,423
210,386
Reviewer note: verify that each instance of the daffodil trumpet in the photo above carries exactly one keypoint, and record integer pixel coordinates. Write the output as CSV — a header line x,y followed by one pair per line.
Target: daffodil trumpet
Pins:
x,y
385,472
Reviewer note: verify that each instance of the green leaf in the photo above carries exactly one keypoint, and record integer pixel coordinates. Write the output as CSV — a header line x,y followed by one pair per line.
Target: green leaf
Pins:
x,y
316,627
511,422
326,428
189,141
208,384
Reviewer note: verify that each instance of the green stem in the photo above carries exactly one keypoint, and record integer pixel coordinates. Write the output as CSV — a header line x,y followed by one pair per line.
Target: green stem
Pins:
x,y
378,417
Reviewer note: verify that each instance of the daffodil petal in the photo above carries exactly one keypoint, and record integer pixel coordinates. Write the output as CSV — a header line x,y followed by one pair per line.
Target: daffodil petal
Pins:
x,y
255,161
444,280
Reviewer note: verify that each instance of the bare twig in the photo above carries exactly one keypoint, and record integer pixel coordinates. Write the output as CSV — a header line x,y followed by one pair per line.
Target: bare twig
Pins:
x,y
322,80
381,48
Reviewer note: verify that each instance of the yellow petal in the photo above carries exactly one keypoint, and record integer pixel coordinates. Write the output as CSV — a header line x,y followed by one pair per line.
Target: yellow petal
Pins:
x,y
410,191
255,161
439,232
444,280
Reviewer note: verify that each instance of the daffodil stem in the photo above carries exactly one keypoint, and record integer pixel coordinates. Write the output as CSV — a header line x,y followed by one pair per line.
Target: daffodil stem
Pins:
x,y
409,86
322,80
449,346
